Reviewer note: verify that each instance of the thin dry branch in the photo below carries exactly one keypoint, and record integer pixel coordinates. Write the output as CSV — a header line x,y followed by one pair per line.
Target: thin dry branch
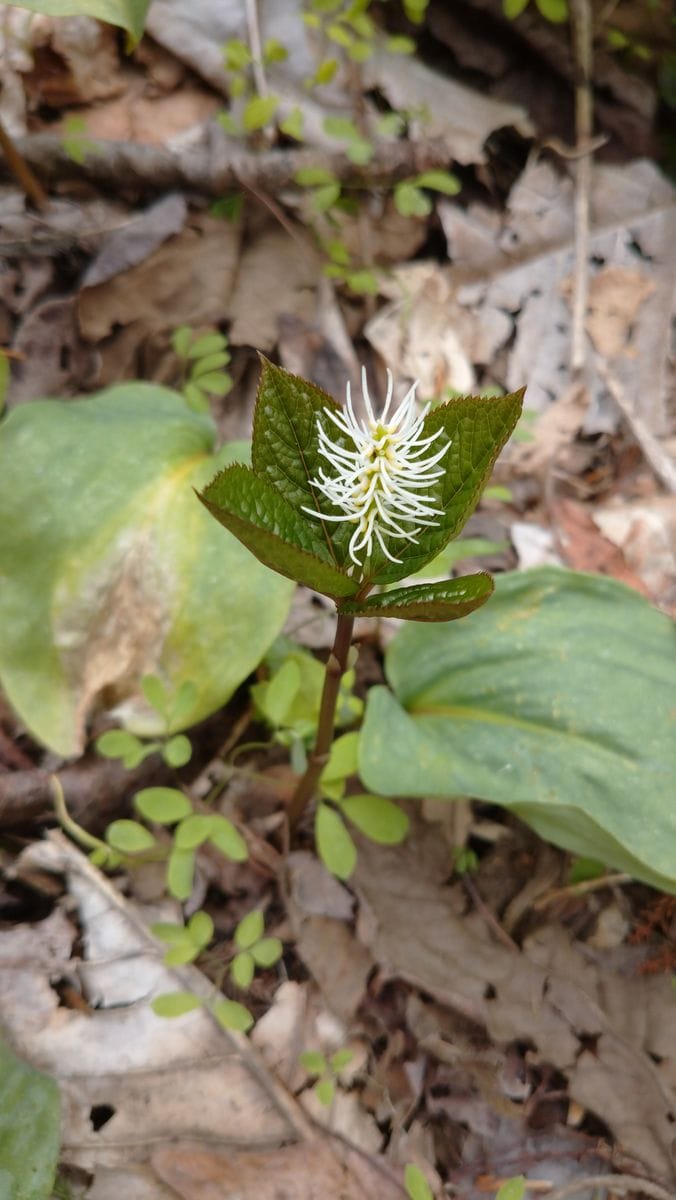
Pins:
x,y
582,41
620,1185
130,166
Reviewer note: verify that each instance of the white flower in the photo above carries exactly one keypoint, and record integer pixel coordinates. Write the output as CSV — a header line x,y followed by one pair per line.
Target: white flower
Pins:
x,y
376,480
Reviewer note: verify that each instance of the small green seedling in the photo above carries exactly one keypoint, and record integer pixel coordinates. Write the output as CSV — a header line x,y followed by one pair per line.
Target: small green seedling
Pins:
x,y
253,949
203,357
186,942
175,749
415,1182
326,1071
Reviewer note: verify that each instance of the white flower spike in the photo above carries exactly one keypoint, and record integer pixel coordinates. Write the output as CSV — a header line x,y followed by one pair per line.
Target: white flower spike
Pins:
x,y
377,480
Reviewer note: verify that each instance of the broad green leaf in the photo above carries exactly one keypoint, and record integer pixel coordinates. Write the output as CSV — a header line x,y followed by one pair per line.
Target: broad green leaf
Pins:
x,y
227,839
250,929
477,427
178,751
555,11
439,181
129,837
376,817
417,1187
193,831
175,1004
201,929
334,844
313,1062
180,873
557,701
163,805
512,1189
444,601
259,111
280,691
242,969
267,952
259,515
325,1090
513,8
410,201
29,1129
129,14
232,1015
108,562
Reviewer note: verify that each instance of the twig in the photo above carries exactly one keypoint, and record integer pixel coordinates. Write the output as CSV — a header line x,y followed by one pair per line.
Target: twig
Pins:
x,y
622,1184
582,41
256,44
96,789
489,917
21,171
656,456
128,166
583,888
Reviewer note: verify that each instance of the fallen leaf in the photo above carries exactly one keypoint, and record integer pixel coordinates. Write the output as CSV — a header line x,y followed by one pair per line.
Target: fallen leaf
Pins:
x,y
55,360
275,278
138,237
615,297
586,549
644,531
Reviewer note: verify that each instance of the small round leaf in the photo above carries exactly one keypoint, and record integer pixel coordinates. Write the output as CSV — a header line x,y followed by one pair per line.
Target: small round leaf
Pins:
x,y
313,1062
180,872
175,1004
129,837
177,751
192,831
163,805
267,952
250,929
325,1090
378,818
232,1015
417,1187
242,969
201,929
225,838
334,844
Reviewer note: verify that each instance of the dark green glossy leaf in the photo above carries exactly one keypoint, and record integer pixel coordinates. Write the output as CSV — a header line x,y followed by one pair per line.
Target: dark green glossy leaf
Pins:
x,y
477,427
259,515
443,601
557,700
29,1129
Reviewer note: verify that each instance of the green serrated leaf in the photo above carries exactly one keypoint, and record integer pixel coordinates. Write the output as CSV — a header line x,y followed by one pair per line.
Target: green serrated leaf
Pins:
x,y
273,530
334,844
193,831
439,181
178,751
201,929
313,1062
267,952
410,201
175,1004
242,969
180,873
325,1090
377,818
258,112
232,1015
227,839
29,1129
129,837
250,929
477,428
446,600
163,805
417,1187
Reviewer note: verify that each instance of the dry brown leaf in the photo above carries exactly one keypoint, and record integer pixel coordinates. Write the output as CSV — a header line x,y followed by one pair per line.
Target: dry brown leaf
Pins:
x,y
55,361
75,61
548,996
276,277
615,297
156,120
586,549
645,533
138,237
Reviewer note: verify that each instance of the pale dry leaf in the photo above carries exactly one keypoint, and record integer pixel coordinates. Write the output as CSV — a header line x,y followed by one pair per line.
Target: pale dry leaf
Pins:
x,y
615,297
132,242
548,997
645,532
89,50
534,544
55,360
276,277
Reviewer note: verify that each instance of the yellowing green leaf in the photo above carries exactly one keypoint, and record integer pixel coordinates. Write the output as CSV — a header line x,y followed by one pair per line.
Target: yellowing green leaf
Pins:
x,y
175,1004
258,112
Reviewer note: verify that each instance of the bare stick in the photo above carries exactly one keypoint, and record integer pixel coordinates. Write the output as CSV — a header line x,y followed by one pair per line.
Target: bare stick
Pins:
x,y
621,1184
582,39
335,669
660,462
21,171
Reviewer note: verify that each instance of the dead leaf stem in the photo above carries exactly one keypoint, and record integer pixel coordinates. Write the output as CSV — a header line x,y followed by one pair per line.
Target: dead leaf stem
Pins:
x,y
622,1185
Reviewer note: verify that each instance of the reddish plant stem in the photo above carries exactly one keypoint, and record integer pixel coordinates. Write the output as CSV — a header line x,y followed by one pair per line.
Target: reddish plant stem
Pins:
x,y
22,172
335,669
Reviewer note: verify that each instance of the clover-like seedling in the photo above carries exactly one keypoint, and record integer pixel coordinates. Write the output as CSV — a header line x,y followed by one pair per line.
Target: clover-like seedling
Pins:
x,y
326,1070
415,1182
348,503
253,949
175,749
203,357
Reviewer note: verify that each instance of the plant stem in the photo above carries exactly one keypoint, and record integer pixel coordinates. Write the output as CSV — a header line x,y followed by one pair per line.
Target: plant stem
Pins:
x,y
22,172
335,669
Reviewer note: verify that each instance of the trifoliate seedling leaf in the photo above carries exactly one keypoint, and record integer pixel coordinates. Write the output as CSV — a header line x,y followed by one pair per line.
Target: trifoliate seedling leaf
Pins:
x,y
378,818
444,601
175,1004
417,1187
217,383
180,340
117,743
163,805
29,1129
178,751
293,125
180,873
258,112
227,839
313,1062
340,1060
512,1189
195,398
410,201
556,700
129,837
324,198
210,362
334,844
400,45
181,953
274,51
232,1015
237,55
155,693
242,969
193,831
250,929
267,952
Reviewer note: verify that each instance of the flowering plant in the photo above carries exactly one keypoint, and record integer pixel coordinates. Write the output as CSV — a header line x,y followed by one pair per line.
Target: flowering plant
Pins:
x,y
345,504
